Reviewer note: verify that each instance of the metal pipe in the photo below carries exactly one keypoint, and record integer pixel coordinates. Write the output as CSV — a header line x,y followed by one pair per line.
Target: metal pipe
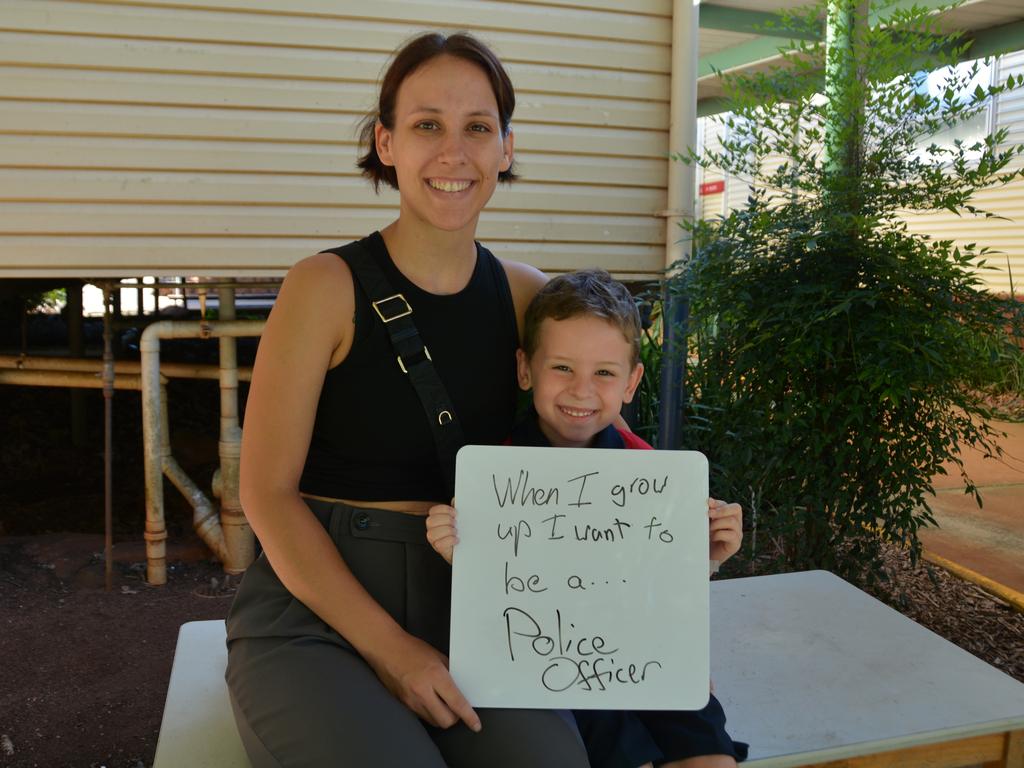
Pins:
x,y
204,516
237,533
76,346
121,367
108,447
74,379
155,435
680,208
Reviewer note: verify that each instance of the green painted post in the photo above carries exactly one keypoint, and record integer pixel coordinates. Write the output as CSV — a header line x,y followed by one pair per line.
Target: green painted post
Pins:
x,y
845,93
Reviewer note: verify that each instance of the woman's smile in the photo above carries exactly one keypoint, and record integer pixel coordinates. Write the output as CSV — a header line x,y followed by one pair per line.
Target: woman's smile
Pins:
x,y
449,185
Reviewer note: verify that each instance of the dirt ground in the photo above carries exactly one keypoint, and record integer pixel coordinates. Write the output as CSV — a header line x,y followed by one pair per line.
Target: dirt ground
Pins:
x,y
83,671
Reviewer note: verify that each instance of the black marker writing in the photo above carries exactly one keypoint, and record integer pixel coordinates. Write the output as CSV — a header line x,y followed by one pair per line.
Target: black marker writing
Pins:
x,y
583,661
554,525
515,531
639,486
614,532
666,536
521,493
518,584
579,499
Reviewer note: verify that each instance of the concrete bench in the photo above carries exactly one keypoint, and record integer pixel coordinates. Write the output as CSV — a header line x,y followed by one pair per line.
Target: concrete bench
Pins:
x,y
811,671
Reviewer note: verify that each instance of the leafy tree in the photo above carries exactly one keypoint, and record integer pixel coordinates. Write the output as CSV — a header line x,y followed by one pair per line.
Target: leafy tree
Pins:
x,y
837,359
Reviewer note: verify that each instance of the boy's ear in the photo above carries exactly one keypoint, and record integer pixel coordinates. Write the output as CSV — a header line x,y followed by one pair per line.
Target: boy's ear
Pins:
x,y
523,370
634,381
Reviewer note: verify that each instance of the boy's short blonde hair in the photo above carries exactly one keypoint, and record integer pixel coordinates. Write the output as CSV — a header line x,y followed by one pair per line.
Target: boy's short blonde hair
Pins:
x,y
586,292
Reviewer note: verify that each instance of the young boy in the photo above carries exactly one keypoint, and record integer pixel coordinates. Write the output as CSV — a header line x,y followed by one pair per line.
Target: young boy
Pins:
x,y
581,358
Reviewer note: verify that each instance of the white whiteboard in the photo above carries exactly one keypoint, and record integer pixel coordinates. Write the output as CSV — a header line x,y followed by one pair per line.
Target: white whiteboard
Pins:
x,y
580,579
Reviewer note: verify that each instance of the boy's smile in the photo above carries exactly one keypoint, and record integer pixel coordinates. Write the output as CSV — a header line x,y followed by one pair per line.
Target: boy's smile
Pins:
x,y
581,374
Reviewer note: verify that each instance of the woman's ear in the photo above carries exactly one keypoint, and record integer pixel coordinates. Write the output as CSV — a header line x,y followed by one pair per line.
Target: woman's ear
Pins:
x,y
523,370
382,140
508,147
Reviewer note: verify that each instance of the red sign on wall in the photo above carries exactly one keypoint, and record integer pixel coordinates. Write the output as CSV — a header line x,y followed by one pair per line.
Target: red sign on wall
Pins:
x,y
712,187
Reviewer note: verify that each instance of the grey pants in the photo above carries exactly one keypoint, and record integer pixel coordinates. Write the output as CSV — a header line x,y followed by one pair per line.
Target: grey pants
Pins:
x,y
302,696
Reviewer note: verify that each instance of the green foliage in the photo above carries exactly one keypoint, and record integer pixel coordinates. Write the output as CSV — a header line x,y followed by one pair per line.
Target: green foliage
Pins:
x,y
647,397
838,359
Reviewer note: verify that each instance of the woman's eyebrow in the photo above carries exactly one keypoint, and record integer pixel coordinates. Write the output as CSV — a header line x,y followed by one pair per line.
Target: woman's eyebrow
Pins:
x,y
474,113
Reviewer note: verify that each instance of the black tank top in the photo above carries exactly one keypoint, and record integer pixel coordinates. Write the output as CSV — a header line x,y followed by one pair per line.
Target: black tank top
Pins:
x,y
371,441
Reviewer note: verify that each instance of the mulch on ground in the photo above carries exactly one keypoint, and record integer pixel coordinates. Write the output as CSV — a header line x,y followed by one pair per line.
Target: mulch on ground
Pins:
x,y
957,610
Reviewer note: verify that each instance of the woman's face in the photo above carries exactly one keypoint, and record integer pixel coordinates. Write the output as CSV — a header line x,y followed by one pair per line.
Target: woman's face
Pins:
x,y
446,145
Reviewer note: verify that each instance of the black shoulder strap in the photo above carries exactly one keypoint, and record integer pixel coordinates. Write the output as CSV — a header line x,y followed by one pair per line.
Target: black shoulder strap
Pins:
x,y
412,355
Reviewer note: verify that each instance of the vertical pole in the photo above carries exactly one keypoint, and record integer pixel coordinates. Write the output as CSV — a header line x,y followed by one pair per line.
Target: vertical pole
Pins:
x,y
238,537
108,444
678,246
76,346
845,106
155,446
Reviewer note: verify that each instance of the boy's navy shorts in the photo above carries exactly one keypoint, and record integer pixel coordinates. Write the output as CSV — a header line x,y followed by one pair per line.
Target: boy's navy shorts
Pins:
x,y
623,739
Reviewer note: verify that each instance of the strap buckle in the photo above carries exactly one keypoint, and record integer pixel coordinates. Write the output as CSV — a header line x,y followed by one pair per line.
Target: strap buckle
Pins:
x,y
399,357
401,313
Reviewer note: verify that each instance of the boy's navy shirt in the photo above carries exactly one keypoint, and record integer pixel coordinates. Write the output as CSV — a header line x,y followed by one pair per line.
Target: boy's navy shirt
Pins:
x,y
527,433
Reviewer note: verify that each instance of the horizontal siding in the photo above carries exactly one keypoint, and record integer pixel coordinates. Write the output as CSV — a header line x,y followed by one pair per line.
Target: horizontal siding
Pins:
x,y
644,24
283,30
314,159
280,222
239,125
143,55
64,85
160,137
1004,234
128,187
262,257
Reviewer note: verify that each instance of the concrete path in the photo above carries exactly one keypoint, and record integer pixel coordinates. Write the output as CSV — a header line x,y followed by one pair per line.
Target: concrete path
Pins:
x,y
989,540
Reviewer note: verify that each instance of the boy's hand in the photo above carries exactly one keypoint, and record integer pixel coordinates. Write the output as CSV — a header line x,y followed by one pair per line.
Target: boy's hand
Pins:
x,y
441,531
726,529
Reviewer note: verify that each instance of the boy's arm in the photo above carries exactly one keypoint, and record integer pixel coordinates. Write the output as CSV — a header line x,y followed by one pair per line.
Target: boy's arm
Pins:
x,y
725,528
441,531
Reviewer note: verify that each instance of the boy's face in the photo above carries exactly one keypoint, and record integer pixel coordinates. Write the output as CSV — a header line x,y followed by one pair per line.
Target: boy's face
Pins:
x,y
581,374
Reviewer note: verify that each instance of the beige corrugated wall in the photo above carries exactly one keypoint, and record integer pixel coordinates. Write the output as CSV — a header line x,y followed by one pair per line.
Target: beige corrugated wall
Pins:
x,y
1004,235
166,138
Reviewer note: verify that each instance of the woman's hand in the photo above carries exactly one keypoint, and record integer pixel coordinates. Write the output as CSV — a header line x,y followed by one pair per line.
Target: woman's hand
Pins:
x,y
441,531
726,529
417,674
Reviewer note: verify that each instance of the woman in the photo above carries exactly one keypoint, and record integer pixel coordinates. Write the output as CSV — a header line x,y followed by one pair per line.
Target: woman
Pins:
x,y
337,638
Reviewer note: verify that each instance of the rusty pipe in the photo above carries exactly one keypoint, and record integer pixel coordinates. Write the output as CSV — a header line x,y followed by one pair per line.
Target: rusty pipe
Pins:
x,y
204,516
154,430
73,379
121,367
237,534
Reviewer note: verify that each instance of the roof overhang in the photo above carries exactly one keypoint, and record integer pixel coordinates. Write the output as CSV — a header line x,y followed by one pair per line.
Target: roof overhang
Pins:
x,y
749,36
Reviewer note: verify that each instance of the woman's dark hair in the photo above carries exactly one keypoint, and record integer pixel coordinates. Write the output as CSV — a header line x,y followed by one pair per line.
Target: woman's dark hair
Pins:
x,y
407,60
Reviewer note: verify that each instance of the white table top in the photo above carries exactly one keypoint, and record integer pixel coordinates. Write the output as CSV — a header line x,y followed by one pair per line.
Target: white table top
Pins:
x,y
809,668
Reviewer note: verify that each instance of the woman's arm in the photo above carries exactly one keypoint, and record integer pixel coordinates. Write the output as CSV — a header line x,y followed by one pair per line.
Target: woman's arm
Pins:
x,y
524,281
309,330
